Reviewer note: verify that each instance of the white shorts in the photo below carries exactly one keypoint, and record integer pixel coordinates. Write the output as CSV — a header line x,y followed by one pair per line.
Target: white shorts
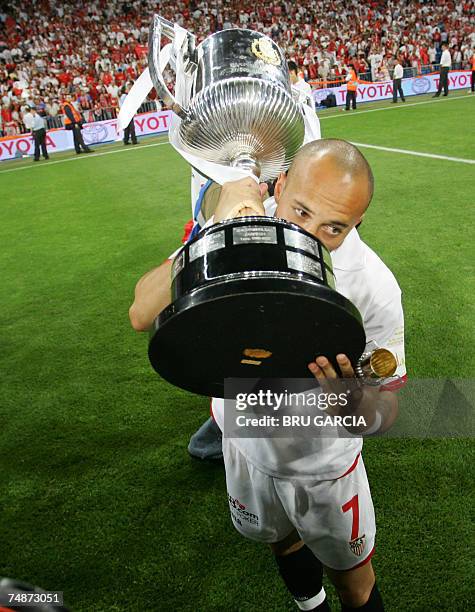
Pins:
x,y
335,518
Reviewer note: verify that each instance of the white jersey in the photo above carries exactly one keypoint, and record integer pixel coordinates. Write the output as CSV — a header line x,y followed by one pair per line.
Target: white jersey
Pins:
x,y
363,278
303,92
28,120
446,59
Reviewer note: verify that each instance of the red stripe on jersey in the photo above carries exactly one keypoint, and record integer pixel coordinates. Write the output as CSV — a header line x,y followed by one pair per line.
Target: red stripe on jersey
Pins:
x,y
365,561
394,385
187,230
351,468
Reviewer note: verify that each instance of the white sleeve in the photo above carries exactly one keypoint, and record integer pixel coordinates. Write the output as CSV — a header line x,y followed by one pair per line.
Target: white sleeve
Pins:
x,y
175,253
384,327
311,99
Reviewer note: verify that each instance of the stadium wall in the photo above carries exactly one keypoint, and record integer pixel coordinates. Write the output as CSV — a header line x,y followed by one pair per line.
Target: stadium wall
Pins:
x,y
370,92
98,132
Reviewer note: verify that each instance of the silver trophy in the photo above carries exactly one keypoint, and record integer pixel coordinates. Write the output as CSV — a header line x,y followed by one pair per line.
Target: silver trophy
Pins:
x,y
233,96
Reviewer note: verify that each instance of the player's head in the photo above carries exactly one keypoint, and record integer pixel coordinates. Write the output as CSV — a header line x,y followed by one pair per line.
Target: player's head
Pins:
x,y
326,190
293,71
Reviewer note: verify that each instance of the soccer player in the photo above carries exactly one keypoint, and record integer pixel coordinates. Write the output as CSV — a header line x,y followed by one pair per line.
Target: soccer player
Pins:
x,y
310,499
300,87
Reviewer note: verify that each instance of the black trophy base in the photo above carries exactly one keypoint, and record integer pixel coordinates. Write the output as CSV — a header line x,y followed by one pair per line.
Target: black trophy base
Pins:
x,y
252,328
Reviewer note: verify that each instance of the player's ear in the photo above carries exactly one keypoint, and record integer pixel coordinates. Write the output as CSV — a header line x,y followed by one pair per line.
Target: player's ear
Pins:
x,y
279,186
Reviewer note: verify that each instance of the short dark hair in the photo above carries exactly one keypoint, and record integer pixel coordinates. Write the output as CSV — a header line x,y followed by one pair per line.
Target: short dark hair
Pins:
x,y
292,66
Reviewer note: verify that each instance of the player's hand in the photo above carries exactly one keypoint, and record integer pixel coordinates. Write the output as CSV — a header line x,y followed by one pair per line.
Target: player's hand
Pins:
x,y
322,368
362,399
329,380
236,193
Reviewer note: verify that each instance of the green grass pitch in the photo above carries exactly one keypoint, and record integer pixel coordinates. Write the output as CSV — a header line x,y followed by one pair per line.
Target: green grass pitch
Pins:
x,y
98,496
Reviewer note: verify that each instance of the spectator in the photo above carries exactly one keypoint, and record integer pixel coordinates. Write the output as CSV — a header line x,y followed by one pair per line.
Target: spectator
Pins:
x,y
10,128
85,100
457,59
375,60
48,50
382,72
432,52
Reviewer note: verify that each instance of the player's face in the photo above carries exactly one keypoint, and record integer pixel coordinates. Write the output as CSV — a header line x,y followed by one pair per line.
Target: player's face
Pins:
x,y
322,200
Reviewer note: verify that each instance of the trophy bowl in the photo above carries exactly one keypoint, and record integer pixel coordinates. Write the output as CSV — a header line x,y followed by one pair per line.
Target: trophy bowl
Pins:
x,y
252,297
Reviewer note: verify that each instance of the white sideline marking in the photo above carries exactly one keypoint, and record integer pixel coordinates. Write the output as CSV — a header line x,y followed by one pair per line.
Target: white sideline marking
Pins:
x,y
416,153
83,156
397,106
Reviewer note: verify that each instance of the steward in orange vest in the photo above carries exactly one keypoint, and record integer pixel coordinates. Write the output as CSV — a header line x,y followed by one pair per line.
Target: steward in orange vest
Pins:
x,y
74,121
351,88
71,115
353,81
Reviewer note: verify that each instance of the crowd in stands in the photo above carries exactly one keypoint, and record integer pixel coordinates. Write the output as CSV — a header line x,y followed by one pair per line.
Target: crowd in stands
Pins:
x,y
49,48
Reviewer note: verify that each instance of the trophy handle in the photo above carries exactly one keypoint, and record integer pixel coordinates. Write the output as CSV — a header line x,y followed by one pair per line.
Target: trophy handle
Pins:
x,y
163,26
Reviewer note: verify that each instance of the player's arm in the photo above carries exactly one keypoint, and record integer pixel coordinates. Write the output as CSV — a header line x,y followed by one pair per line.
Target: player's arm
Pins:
x,y
153,291
152,295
